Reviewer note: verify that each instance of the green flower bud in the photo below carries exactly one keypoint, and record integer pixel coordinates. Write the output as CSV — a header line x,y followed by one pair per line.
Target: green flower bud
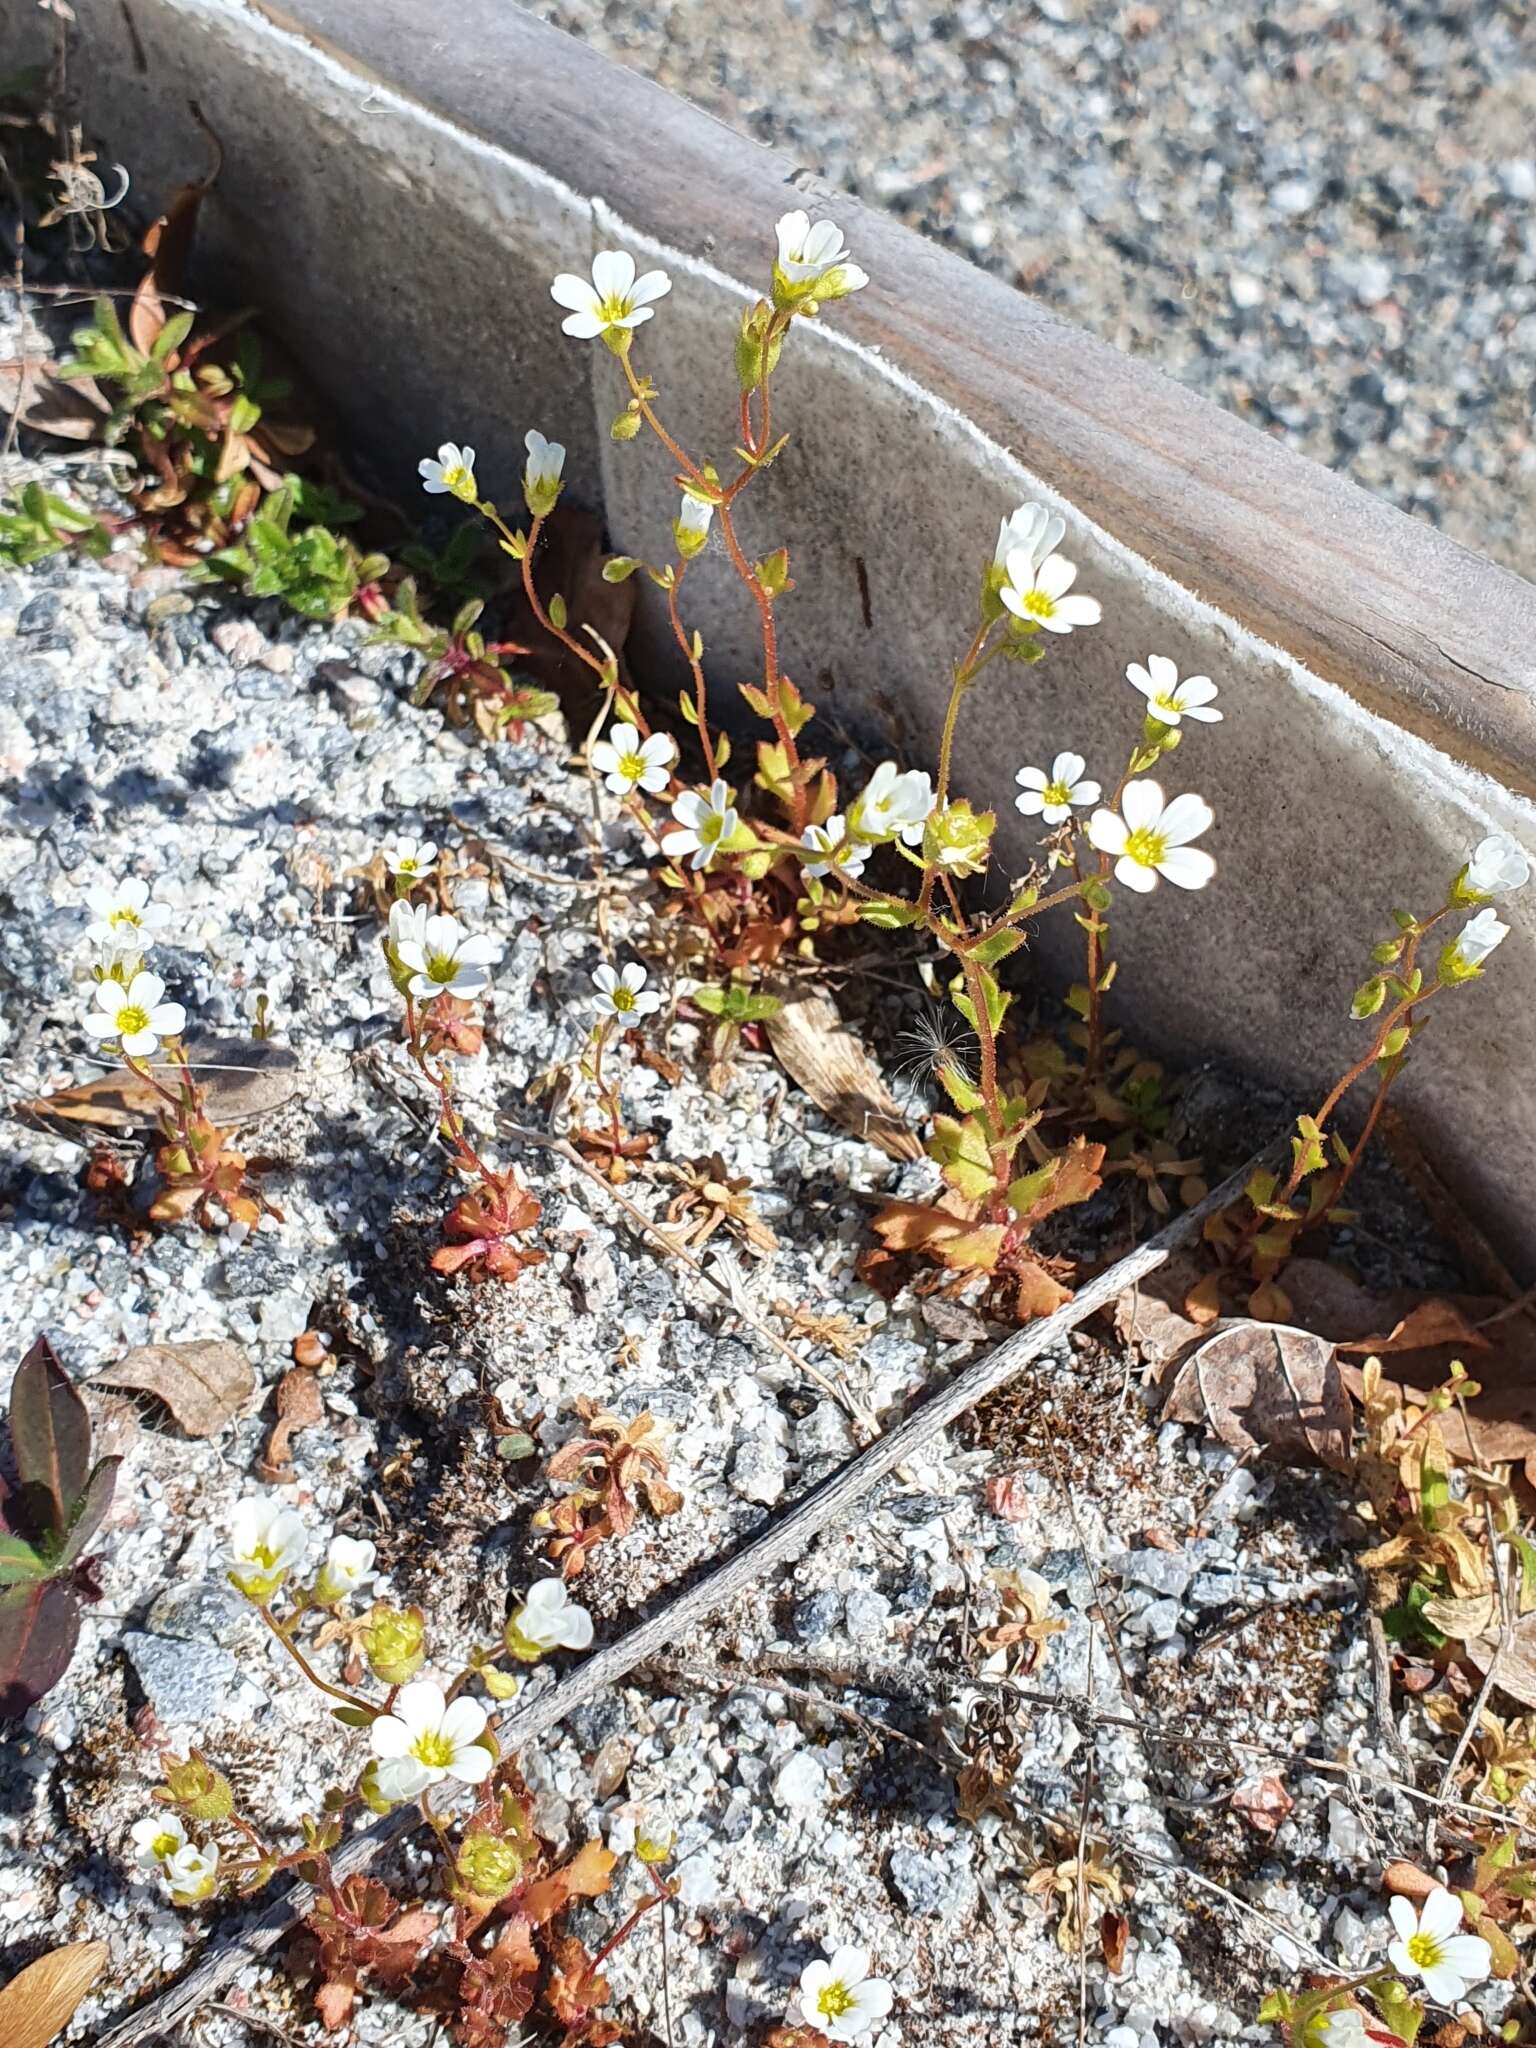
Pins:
x,y
485,1869
958,839
395,1643
626,425
195,1788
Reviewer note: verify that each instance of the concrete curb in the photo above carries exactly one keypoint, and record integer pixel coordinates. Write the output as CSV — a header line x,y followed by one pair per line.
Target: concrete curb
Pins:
x,y
398,198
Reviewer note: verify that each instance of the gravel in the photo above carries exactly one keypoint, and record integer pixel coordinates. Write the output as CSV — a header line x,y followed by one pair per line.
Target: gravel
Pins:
x,y
215,749
1319,215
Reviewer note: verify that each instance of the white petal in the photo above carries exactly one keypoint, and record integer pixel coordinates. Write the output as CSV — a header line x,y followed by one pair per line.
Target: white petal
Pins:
x,y
605,978
169,1019
1056,575
463,1722
1132,875
145,990
420,1705
1141,804
1196,690
1403,1918
471,1764
604,758
1078,610
1107,832
1440,1915
1031,803
613,272
139,1044
1185,819
390,1736
849,1965
1067,768
655,284
1187,867
582,326
1036,778
634,977
1085,793
1164,673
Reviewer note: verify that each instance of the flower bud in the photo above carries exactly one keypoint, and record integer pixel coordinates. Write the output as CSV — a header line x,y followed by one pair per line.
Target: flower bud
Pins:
x,y
758,346
194,1787
626,425
485,1869
395,1643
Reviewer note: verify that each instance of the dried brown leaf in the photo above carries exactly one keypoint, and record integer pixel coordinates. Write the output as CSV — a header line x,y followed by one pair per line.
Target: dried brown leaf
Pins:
x,y
1263,1803
1263,1387
815,1047
299,1406
72,411
242,1079
204,1383
39,2001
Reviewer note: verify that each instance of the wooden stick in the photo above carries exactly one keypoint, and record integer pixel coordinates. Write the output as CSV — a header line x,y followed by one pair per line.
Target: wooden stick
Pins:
x,y
783,1539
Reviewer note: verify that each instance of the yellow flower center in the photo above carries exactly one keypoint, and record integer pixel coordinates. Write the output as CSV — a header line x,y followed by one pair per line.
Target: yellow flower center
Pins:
x,y
1038,605
632,766
614,310
1146,848
130,918
623,998
833,2000
406,867
131,1019
461,482
711,828
164,1846
1169,706
1056,793
433,1750
1424,1950
442,968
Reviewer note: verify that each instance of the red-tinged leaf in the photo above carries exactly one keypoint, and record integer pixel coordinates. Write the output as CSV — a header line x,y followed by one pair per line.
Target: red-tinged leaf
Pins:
x,y
1033,1292
953,1240
1075,1177
574,1988
1114,1932
39,1627
334,2001
1263,1803
590,1871
1008,1497
51,1440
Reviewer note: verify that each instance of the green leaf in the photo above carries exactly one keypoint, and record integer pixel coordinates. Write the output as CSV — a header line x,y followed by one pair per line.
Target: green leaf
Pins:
x,y
960,1088
959,1148
619,567
888,914
557,612
19,1561
997,947
1029,1188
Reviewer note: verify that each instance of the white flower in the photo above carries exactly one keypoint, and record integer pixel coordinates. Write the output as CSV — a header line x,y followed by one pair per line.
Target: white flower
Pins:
x,y
1497,868
451,475
445,960
706,822
624,995
407,921
542,472
134,1015
810,254
192,1874
690,528
1052,796
614,299
838,1995
627,762
1466,953
894,805
348,1566
832,838
1150,838
1428,1946
413,858
124,918
1168,699
426,1739
157,1840
549,1619
1028,530
1349,2028
1037,593
266,1542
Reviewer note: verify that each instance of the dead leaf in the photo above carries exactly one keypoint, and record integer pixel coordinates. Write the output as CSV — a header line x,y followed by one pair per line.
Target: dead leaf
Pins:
x,y
1513,1668
1467,1619
242,1079
1436,1321
1153,1317
1408,1881
1267,1388
299,1406
815,1047
204,1383
39,2001
1263,1803
45,402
